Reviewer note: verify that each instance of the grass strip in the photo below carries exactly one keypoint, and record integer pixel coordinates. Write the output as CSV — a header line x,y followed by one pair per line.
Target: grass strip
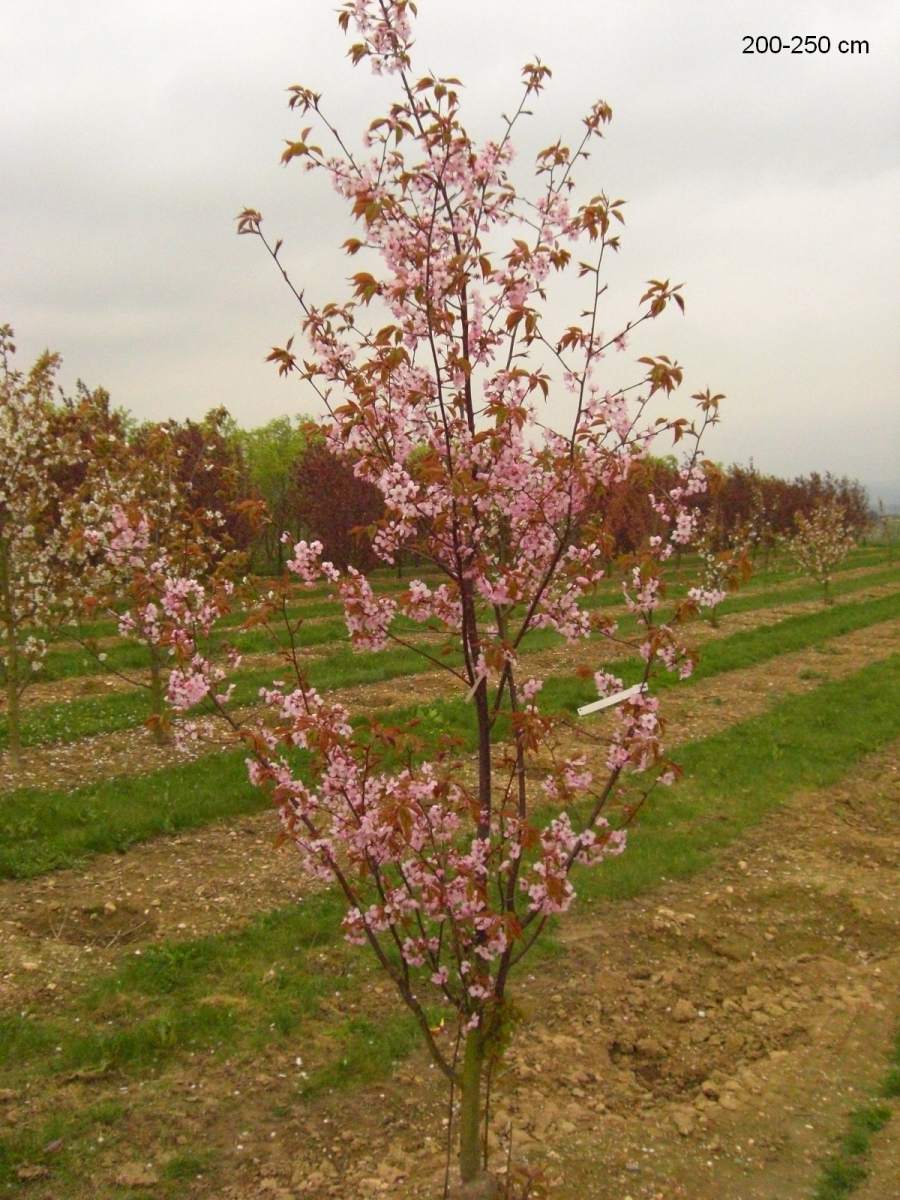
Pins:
x,y
319,600
126,657
733,778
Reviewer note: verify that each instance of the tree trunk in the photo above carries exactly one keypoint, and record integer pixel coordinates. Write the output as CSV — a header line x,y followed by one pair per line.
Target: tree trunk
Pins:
x,y
13,715
13,711
156,696
470,1167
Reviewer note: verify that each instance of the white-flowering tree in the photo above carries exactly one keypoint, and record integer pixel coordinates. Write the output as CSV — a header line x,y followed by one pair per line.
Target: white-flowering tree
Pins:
x,y
38,476
822,541
721,570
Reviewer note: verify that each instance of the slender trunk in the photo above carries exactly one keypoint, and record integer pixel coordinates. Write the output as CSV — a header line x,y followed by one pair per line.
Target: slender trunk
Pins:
x,y
13,713
156,696
13,710
482,711
470,1108
826,595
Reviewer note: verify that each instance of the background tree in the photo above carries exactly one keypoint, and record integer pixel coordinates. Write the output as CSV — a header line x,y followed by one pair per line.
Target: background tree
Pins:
x,y
721,570
205,464
334,505
272,452
822,542
50,473
887,523
156,526
628,520
744,494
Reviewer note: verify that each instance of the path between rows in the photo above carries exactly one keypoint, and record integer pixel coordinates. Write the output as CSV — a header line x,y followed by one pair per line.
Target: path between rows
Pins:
x,y
56,927
132,751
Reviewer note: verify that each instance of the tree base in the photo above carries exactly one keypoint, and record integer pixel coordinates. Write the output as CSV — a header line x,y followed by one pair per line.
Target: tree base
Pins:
x,y
485,1187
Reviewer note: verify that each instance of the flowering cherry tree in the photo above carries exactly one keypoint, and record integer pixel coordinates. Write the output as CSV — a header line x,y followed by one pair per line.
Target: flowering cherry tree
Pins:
x,y
47,477
822,542
27,541
721,570
762,531
485,425
150,546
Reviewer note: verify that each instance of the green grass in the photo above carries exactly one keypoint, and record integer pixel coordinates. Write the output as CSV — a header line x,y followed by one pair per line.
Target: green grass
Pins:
x,y
738,651
270,985
892,1079
315,601
364,1053
183,1167
847,1168
41,830
29,1145
843,1173
189,995
131,657
733,779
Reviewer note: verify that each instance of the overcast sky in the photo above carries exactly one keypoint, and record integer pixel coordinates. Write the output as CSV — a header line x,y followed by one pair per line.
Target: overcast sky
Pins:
x,y
132,134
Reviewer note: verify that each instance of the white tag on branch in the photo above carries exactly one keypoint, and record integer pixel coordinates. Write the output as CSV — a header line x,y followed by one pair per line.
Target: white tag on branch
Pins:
x,y
615,698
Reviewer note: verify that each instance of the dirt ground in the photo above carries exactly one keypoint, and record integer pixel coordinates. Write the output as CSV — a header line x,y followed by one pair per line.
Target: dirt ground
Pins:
x,y
704,1042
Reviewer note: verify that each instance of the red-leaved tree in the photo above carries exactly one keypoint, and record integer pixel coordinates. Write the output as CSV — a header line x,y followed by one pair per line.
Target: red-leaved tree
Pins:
x,y
335,505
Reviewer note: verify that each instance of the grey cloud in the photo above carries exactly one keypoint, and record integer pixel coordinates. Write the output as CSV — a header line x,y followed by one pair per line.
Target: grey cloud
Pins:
x,y
133,134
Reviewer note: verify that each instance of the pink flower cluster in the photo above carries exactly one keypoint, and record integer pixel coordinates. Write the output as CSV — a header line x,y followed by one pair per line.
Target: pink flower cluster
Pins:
x,y
368,616
306,563
385,29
